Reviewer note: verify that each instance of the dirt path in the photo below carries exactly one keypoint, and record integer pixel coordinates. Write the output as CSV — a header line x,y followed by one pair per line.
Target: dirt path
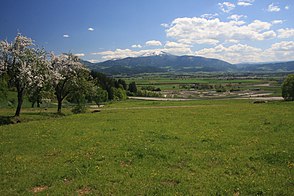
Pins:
x,y
264,98
255,97
160,99
156,107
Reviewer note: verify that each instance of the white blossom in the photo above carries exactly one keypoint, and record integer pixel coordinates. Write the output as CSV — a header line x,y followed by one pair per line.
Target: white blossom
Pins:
x,y
26,66
65,66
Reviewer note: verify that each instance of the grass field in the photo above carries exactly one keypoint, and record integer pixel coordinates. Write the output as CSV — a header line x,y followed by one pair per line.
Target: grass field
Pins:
x,y
212,147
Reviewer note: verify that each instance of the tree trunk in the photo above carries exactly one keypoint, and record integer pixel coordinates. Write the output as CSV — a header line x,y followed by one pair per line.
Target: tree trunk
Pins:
x,y
59,105
19,100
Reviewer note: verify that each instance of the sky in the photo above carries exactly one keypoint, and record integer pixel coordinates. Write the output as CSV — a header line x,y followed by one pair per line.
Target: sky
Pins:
x,y
236,31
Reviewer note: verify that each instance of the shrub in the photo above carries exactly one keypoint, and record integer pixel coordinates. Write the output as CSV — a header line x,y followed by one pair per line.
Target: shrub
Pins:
x,y
288,88
79,109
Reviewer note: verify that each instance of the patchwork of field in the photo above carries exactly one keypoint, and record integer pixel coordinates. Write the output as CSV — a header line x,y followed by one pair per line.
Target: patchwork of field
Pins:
x,y
211,86
203,147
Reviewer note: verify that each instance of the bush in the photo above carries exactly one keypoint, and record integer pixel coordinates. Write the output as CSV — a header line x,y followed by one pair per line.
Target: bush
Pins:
x,y
119,94
288,88
78,109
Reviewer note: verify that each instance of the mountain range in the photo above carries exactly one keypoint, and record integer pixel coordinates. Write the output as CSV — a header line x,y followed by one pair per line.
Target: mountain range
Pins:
x,y
164,62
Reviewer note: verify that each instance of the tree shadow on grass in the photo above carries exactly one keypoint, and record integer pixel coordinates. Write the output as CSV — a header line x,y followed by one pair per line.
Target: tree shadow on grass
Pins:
x,y
44,114
6,120
29,116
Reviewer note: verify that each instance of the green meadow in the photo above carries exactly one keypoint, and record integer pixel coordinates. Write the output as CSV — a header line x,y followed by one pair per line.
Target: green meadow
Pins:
x,y
207,147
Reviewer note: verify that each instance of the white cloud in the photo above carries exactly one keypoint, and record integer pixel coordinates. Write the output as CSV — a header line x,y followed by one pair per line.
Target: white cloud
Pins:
x,y
93,60
245,2
277,22
273,8
90,29
153,43
236,17
164,25
226,6
269,34
117,54
66,36
80,54
203,31
241,3
170,44
283,46
232,41
244,53
170,47
209,16
258,25
233,54
178,50
280,51
287,7
286,33
136,46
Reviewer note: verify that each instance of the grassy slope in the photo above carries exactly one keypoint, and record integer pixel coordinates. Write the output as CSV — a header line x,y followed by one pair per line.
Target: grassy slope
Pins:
x,y
213,147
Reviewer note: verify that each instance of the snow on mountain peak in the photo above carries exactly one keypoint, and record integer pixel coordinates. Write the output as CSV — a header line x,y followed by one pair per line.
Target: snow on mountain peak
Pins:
x,y
155,53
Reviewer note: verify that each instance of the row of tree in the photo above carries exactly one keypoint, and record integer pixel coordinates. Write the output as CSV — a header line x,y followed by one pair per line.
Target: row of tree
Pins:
x,y
35,72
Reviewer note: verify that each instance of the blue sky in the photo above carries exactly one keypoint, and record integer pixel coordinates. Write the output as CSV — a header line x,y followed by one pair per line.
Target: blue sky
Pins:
x,y
97,30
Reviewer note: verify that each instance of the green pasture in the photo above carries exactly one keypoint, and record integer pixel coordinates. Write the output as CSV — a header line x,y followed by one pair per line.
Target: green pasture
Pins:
x,y
173,83
157,81
207,147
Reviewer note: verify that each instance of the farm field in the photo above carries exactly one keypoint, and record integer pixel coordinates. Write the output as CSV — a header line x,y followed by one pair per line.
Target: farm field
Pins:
x,y
203,147
212,85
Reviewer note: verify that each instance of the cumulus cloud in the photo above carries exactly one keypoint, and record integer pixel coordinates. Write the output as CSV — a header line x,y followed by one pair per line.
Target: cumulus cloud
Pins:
x,y
232,41
153,43
269,34
124,53
80,54
90,29
242,52
233,54
277,22
170,47
286,33
209,16
237,53
287,7
118,54
245,2
170,44
204,31
93,60
236,17
136,46
273,8
226,6
283,46
280,51
66,36
165,25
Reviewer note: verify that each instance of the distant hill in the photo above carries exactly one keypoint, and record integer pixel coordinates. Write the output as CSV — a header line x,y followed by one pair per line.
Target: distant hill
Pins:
x,y
270,67
164,62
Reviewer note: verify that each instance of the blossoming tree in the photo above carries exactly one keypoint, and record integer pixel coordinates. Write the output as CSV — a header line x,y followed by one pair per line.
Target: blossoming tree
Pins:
x,y
66,70
25,65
